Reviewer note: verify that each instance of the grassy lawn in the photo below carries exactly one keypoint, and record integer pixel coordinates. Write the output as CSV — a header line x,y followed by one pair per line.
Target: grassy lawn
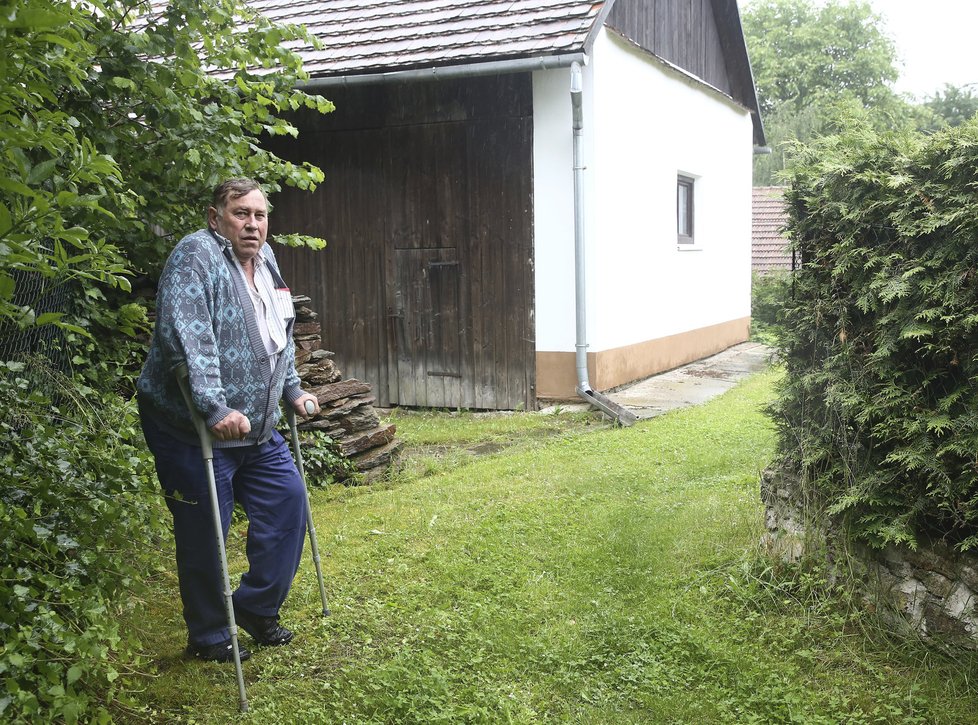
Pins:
x,y
526,568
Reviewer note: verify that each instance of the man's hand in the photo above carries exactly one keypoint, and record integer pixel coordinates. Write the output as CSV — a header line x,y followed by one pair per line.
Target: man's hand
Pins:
x,y
300,405
233,427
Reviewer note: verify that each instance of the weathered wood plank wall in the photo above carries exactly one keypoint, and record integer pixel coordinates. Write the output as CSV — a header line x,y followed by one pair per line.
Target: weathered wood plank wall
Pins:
x,y
683,32
426,287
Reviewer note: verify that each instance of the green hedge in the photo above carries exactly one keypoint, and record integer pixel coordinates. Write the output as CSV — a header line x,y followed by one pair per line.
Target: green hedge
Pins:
x,y
879,409
767,292
78,508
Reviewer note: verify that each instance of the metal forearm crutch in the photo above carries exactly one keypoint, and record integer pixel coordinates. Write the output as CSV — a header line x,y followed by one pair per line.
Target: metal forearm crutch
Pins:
x,y
207,452
310,524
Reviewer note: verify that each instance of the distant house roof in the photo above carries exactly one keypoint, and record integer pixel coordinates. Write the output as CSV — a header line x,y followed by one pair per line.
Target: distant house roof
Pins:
x,y
769,247
364,36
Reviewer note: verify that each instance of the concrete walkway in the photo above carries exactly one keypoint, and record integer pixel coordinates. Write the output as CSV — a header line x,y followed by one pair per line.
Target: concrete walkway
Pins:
x,y
690,384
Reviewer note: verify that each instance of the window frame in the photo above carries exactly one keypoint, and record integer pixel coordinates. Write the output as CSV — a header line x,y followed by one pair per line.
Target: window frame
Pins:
x,y
686,237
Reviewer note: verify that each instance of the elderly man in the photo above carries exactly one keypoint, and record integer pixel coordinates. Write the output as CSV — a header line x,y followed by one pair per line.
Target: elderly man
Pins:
x,y
224,310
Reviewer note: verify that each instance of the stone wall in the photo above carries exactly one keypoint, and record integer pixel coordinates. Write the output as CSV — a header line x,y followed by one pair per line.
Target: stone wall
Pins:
x,y
931,591
347,415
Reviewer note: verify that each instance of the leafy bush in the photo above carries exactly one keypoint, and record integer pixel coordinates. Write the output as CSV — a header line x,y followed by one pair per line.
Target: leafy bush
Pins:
x,y
106,152
879,409
78,504
323,461
768,292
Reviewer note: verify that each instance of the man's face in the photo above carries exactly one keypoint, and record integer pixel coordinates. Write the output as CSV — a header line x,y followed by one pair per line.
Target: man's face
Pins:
x,y
244,222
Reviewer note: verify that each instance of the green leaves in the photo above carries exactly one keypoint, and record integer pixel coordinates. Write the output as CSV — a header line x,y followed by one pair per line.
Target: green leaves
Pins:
x,y
878,408
952,106
79,509
97,158
811,61
112,136
800,51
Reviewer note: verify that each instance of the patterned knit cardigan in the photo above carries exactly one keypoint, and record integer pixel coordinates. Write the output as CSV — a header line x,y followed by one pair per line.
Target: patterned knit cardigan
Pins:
x,y
205,318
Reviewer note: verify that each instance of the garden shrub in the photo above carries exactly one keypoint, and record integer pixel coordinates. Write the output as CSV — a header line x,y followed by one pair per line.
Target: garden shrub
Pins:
x,y
767,301
323,461
78,508
879,407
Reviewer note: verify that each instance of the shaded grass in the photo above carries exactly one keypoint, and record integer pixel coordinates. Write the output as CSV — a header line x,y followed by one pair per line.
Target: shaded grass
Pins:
x,y
578,574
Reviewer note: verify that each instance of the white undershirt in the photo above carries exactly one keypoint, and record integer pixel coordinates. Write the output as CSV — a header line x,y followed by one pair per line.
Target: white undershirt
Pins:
x,y
270,325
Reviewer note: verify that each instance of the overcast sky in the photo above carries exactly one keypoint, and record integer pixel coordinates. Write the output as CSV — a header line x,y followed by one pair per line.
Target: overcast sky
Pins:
x,y
937,42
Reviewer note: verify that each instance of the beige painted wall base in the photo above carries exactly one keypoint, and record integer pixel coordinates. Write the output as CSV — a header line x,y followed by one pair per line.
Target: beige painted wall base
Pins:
x,y
557,371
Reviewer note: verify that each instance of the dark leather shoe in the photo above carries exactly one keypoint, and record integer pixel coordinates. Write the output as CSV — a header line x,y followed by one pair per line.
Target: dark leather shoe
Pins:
x,y
220,652
266,631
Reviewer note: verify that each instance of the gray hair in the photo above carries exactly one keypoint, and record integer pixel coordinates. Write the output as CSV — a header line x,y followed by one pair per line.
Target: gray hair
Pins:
x,y
233,189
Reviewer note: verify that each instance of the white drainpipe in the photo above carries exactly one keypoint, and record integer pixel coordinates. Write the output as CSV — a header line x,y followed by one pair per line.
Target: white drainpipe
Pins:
x,y
619,414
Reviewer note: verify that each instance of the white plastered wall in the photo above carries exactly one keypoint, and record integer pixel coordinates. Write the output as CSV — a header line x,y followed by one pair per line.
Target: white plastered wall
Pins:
x,y
553,210
644,123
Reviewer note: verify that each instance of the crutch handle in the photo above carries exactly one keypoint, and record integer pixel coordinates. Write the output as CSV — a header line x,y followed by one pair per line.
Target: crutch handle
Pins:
x,y
290,412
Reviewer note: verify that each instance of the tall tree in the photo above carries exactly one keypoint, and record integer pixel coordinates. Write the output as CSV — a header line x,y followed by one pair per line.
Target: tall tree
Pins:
x,y
809,60
953,106
802,53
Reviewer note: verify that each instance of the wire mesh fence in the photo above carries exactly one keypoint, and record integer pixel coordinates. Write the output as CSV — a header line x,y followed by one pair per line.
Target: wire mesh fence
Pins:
x,y
41,348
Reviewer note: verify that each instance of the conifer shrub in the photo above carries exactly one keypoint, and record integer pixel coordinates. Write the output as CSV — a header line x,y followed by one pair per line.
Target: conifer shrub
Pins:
x,y
878,412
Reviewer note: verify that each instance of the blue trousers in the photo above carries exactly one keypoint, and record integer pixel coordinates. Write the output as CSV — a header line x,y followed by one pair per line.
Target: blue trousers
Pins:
x,y
265,481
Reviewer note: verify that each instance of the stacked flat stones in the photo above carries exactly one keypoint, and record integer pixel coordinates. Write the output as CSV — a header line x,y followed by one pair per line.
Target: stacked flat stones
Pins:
x,y
348,415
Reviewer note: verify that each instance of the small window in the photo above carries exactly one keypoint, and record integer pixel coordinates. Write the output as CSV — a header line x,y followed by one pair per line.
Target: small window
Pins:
x,y
684,209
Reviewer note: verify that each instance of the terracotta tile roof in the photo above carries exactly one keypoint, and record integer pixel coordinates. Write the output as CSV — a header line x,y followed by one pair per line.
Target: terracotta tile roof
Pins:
x,y
769,248
364,36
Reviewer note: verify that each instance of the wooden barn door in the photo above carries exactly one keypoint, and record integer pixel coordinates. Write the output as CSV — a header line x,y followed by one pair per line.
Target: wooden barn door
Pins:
x,y
426,288
425,329
427,224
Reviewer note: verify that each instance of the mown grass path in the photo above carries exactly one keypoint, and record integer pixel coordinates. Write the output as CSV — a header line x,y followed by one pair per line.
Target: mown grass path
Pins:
x,y
573,573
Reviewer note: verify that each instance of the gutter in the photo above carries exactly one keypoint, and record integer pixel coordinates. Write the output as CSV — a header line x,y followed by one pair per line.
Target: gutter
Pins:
x,y
620,415
496,67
